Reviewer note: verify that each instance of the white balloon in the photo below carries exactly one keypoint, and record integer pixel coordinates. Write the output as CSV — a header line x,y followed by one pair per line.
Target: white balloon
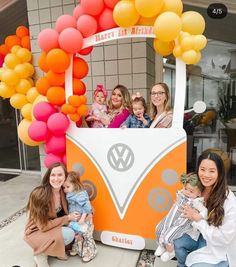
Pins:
x,y
199,106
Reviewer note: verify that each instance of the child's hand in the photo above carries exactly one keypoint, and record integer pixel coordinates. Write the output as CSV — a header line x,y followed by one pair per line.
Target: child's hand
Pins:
x,y
74,216
123,126
81,221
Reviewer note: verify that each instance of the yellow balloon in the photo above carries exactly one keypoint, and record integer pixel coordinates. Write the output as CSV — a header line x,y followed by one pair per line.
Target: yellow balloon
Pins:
x,y
26,111
200,42
177,52
125,14
24,54
149,8
193,22
146,21
18,101
32,94
22,71
6,91
183,35
190,56
175,6
10,77
23,86
22,130
15,48
30,68
167,26
187,43
11,60
1,72
31,81
164,48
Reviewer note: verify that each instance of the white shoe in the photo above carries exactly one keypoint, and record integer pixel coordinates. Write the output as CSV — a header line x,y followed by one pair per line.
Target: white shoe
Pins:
x,y
41,260
159,251
166,256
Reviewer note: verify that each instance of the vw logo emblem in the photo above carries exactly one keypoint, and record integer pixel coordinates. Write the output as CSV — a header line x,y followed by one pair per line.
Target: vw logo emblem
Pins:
x,y
120,157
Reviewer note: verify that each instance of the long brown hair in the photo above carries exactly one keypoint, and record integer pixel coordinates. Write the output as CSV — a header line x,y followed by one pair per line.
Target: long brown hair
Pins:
x,y
126,101
219,192
74,178
167,107
40,198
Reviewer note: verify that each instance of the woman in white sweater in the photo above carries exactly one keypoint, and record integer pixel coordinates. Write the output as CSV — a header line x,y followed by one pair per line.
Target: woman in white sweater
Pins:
x,y
219,230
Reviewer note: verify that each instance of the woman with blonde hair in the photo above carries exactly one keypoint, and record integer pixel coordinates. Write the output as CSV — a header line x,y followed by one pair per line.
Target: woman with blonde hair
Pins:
x,y
160,109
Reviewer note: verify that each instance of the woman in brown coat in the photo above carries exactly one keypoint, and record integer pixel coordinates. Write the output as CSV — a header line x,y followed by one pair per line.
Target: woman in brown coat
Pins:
x,y
46,230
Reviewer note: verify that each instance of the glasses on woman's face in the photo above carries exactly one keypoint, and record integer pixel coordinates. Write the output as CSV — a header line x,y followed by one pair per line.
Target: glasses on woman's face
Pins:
x,y
157,93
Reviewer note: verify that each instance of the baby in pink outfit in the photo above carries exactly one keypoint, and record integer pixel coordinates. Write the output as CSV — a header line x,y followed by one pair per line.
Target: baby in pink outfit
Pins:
x,y
98,113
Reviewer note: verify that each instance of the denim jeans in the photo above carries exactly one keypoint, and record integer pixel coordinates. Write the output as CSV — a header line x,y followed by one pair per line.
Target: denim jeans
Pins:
x,y
68,235
184,245
203,264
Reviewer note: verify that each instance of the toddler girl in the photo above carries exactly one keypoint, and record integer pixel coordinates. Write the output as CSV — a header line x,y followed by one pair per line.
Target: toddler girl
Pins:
x,y
139,117
174,225
97,117
78,201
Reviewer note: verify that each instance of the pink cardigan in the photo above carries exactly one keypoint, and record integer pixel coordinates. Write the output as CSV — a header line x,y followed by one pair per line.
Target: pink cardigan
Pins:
x,y
119,119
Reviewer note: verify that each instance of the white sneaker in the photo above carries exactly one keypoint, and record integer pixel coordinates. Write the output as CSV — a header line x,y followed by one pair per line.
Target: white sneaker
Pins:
x,y
159,251
41,260
166,256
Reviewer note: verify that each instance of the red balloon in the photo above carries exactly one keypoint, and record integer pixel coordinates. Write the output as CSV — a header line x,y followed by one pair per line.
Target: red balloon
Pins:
x,y
92,7
86,51
48,39
71,40
51,159
87,25
38,131
56,144
106,20
58,124
111,3
80,68
78,11
65,21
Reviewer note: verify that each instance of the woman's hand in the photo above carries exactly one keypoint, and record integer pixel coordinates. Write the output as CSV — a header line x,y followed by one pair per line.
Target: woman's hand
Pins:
x,y
74,216
191,213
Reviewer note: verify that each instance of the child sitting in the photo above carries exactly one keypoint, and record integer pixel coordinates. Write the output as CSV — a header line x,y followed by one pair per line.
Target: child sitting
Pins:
x,y
139,117
174,225
78,201
97,117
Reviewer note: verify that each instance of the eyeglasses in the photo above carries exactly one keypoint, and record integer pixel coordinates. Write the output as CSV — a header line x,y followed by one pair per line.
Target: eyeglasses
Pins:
x,y
157,93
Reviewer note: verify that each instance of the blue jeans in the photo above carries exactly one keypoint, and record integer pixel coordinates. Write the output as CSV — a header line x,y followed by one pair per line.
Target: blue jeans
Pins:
x,y
68,235
184,245
203,264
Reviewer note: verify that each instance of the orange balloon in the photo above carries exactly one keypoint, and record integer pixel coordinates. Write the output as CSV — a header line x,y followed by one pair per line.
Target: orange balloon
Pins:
x,y
42,85
80,68
42,62
56,95
4,49
57,60
56,79
22,31
74,100
25,42
79,87
83,99
75,117
12,40
68,109
82,110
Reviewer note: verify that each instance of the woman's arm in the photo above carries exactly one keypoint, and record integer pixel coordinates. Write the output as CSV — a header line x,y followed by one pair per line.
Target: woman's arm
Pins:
x,y
119,119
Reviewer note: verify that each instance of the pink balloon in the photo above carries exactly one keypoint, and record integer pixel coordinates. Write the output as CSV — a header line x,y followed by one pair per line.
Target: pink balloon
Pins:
x,y
92,7
78,11
65,21
51,159
43,110
71,40
48,39
111,3
106,20
38,131
56,145
86,51
58,123
87,25
1,60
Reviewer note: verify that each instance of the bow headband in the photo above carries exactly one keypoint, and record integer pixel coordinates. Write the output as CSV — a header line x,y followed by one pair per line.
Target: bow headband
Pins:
x,y
192,179
100,88
136,95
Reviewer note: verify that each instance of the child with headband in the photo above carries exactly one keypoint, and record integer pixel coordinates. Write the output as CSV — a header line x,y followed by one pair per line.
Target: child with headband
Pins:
x,y
174,225
139,117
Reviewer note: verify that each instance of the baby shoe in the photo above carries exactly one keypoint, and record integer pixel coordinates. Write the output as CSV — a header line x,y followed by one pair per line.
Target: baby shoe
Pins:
x,y
159,251
166,256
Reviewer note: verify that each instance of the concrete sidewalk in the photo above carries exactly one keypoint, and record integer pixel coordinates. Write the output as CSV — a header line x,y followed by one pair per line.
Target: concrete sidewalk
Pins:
x,y
14,251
